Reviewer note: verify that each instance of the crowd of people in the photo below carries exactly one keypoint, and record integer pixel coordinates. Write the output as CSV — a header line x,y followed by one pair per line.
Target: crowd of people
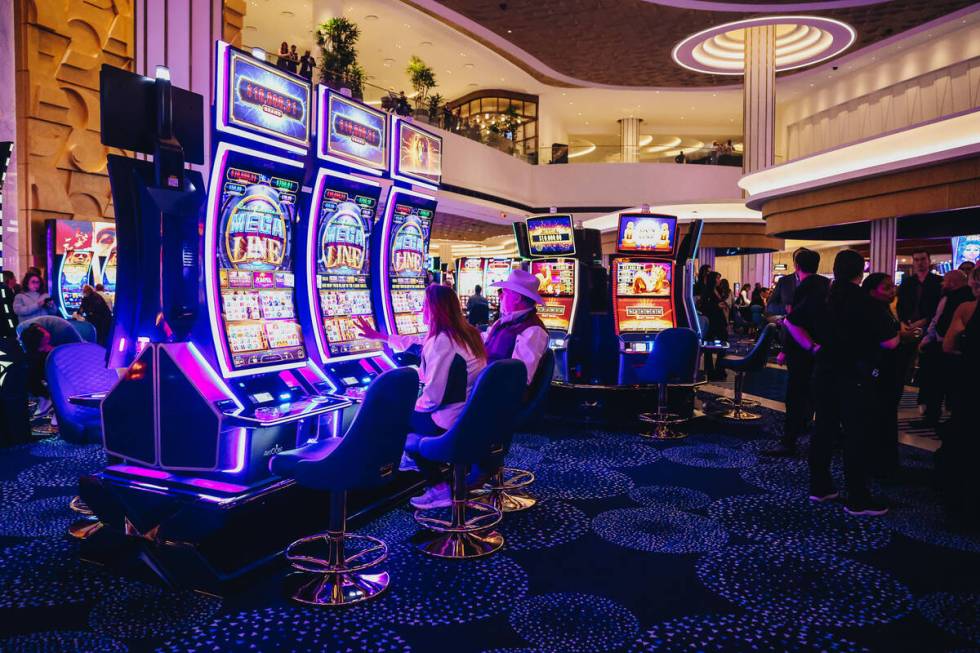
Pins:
x,y
851,345
290,60
719,154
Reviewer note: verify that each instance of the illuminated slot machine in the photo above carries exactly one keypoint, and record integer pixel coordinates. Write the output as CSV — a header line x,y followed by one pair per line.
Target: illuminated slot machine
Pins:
x,y
470,273
551,246
343,215
216,387
77,253
403,241
651,284
497,269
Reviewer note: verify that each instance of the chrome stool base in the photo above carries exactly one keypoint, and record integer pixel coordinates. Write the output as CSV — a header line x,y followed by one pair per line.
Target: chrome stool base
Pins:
x,y
336,588
462,546
662,423
336,578
730,403
504,490
87,524
737,414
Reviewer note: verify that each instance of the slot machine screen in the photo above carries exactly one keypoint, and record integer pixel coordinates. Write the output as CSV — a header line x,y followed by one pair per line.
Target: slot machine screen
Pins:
x,y
550,235
346,218
256,287
643,295
417,154
264,99
966,249
411,222
498,269
647,233
556,285
469,275
80,253
352,132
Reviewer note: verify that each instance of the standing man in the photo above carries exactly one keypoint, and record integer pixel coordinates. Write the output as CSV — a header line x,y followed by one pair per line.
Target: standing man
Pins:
x,y
933,373
849,335
478,308
918,297
781,300
805,308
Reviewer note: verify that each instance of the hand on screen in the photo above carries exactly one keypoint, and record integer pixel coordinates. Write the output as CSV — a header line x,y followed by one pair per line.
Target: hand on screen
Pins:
x,y
367,331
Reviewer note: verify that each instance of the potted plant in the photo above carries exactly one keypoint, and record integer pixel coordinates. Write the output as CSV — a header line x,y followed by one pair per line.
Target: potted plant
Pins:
x,y
423,80
337,40
434,109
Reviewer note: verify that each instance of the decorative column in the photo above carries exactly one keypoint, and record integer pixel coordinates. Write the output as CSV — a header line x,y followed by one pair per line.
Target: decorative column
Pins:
x,y
759,98
706,256
884,244
629,139
757,268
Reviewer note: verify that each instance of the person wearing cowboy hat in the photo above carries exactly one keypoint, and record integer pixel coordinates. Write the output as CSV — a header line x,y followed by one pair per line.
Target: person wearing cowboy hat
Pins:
x,y
519,333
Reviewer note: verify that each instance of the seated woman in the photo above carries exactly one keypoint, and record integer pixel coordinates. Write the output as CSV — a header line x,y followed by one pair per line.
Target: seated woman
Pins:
x,y
439,405
32,301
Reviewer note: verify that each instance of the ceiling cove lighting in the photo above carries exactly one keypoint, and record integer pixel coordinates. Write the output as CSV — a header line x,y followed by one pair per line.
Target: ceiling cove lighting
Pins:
x,y
800,41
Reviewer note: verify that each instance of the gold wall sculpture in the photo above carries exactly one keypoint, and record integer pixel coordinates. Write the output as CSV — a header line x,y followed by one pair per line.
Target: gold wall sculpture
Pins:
x,y
60,47
233,21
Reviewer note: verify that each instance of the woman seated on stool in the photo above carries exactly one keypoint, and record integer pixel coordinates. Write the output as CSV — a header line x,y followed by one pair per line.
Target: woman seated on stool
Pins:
x,y
439,405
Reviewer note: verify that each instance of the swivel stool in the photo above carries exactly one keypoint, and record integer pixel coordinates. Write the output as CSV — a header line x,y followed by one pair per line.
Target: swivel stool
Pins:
x,y
505,488
477,434
673,360
366,456
751,362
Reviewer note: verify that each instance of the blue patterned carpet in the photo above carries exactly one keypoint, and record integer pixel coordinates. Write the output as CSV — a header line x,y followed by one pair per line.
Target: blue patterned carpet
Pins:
x,y
697,545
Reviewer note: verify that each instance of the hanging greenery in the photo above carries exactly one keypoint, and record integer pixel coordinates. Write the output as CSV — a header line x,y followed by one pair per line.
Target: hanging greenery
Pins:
x,y
337,40
423,80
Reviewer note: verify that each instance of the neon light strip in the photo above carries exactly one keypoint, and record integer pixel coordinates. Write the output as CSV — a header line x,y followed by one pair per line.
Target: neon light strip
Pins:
x,y
221,123
323,109
212,285
191,347
239,453
387,309
396,148
316,310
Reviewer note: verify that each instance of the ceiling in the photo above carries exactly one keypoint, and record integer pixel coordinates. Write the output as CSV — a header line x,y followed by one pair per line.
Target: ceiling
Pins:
x,y
629,42
460,228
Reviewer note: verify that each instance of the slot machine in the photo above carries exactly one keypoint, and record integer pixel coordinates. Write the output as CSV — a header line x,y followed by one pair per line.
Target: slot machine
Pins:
x,y
551,246
352,154
470,273
652,286
403,241
497,269
79,253
216,388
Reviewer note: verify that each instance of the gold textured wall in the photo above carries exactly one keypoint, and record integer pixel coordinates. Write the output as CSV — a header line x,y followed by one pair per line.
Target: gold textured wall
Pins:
x,y
234,21
61,45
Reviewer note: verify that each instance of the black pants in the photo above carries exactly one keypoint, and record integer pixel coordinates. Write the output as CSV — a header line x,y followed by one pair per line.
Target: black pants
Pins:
x,y
933,378
883,445
799,395
422,424
844,405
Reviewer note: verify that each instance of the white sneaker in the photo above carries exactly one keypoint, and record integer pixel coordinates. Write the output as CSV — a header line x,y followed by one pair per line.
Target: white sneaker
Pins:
x,y
407,464
43,406
437,496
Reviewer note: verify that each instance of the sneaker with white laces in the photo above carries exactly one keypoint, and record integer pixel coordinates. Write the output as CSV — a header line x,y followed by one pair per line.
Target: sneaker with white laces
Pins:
x,y
408,464
866,507
437,496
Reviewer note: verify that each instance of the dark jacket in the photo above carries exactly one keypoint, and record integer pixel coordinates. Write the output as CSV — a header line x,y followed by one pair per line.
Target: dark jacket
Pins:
x,y
917,300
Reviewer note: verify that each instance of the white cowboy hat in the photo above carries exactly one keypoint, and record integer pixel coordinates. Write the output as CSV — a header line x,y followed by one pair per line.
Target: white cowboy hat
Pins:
x,y
521,282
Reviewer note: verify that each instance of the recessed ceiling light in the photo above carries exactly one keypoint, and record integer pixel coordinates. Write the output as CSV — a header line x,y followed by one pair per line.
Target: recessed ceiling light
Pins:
x,y
406,26
370,17
387,63
425,44
471,86
468,66
286,14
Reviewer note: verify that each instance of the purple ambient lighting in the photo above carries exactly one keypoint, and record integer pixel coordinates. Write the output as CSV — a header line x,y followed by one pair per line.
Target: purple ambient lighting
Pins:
x,y
749,8
720,50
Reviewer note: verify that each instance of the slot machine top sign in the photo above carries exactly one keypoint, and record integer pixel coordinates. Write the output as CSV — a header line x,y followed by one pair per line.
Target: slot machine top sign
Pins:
x,y
262,99
646,233
419,155
351,132
550,235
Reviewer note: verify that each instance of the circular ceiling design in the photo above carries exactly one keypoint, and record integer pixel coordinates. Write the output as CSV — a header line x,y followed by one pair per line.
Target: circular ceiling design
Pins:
x,y
750,7
800,41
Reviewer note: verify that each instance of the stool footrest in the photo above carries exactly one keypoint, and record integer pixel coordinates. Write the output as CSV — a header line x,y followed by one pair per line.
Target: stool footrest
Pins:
x,y
462,545
335,589
488,516
366,558
660,418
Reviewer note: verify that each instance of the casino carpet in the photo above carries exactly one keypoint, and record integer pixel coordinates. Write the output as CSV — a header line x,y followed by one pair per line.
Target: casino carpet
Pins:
x,y
695,545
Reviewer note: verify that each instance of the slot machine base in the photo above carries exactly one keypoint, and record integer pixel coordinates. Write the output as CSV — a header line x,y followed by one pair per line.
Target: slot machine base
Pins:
x,y
212,543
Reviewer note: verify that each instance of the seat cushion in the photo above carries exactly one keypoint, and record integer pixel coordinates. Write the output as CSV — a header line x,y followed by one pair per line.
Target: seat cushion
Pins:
x,y
284,464
736,363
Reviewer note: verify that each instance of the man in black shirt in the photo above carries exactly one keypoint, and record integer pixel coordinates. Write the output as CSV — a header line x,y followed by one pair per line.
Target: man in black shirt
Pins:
x,y
919,293
805,310
848,336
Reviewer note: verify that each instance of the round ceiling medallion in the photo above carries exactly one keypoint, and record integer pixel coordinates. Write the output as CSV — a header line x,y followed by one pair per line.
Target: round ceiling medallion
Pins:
x,y
800,41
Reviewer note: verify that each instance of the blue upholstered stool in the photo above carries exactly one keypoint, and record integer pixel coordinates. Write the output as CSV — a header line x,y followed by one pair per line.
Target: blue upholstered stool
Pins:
x,y
672,361
62,331
478,433
753,361
75,369
367,456
505,488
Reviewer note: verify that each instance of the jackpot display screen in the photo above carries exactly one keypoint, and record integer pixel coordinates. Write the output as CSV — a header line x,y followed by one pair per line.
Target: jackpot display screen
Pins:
x,y
643,298
267,100
81,253
419,154
408,247
352,131
556,285
254,257
550,235
345,220
469,275
647,233
498,269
